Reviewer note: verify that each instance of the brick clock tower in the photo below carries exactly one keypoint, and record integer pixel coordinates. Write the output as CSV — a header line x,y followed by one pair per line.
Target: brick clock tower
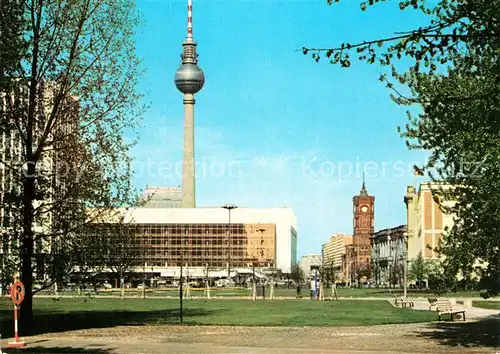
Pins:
x,y
364,221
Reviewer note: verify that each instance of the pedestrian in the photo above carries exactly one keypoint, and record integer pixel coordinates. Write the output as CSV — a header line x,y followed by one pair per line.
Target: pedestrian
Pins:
x,y
298,292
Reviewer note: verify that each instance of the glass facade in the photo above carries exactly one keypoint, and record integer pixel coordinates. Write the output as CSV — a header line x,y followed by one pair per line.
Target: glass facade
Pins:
x,y
161,245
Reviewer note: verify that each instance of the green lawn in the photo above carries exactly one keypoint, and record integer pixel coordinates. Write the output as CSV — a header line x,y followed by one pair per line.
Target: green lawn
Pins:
x,y
495,305
73,313
283,291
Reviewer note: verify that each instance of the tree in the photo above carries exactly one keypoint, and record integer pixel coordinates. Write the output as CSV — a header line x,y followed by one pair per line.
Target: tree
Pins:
x,y
73,97
454,78
419,269
297,274
11,27
457,133
120,246
329,273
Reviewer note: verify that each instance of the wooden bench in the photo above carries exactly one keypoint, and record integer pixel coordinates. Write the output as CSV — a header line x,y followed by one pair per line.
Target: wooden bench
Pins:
x,y
444,307
432,303
403,302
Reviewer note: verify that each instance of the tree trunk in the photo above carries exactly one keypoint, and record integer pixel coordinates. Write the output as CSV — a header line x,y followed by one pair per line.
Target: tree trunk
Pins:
x,y
26,316
122,284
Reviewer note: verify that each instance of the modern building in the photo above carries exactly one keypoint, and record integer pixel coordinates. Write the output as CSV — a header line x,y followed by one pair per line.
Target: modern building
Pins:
x,y
306,262
161,197
359,253
388,255
203,237
189,79
426,221
334,255
56,169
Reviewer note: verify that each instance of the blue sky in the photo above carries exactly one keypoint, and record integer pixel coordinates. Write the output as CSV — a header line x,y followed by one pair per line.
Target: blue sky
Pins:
x,y
273,127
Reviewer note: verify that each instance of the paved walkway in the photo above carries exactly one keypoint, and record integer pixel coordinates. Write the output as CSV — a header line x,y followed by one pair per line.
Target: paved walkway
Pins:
x,y
470,313
457,337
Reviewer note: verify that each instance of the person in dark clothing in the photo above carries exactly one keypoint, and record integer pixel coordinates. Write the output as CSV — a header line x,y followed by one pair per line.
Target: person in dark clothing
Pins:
x,y
298,291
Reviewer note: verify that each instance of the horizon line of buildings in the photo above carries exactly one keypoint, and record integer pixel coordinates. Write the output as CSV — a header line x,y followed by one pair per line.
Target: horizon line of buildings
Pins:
x,y
390,247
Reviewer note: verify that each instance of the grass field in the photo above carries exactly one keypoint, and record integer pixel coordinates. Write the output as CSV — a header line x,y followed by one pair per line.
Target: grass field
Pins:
x,y
495,305
282,291
72,313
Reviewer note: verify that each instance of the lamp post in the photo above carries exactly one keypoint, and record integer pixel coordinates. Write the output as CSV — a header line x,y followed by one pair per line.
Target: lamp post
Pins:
x,y
405,264
229,207
261,249
180,285
254,285
389,259
144,270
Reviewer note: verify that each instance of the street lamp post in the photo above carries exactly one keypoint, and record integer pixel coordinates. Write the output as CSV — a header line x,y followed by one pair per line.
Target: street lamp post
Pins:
x,y
229,207
254,285
389,259
180,285
144,271
261,248
405,264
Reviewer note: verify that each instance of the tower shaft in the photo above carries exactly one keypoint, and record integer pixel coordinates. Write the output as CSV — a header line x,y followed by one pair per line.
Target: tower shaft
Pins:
x,y
189,79
188,166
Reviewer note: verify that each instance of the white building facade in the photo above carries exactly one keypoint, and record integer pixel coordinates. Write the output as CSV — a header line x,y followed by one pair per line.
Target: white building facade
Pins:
x,y
307,261
277,235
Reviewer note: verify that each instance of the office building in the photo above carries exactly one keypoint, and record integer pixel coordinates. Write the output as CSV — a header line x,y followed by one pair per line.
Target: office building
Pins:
x,y
203,237
161,197
334,255
306,262
388,255
426,221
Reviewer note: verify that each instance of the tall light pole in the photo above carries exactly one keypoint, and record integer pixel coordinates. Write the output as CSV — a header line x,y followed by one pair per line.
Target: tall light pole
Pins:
x,y
144,270
405,264
229,207
180,285
261,249
389,259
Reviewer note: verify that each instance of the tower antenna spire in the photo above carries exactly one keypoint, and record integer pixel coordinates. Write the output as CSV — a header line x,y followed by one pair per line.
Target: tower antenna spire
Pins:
x,y
363,187
190,20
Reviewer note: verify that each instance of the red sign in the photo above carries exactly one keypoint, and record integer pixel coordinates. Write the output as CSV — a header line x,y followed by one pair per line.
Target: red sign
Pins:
x,y
17,292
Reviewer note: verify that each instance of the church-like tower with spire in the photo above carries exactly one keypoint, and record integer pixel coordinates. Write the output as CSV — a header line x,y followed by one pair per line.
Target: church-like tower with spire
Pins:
x,y
363,225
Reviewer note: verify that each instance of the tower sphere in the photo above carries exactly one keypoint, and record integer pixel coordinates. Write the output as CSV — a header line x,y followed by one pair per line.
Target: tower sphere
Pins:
x,y
189,78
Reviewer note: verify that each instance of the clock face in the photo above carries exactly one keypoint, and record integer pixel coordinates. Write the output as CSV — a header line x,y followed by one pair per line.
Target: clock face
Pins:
x,y
364,208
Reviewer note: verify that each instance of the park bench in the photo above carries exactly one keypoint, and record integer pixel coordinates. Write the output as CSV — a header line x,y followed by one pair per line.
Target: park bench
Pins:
x,y
432,302
403,302
444,307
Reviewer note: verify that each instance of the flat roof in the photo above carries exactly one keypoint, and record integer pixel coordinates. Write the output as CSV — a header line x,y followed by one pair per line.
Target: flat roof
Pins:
x,y
208,215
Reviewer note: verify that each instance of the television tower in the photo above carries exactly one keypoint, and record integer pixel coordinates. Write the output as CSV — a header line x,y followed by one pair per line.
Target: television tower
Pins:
x,y
189,79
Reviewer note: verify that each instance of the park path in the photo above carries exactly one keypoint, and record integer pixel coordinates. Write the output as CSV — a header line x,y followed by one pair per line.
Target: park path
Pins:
x,y
472,313
390,339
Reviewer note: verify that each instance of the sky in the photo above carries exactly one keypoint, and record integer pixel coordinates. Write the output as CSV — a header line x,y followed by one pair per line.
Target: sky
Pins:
x,y
273,128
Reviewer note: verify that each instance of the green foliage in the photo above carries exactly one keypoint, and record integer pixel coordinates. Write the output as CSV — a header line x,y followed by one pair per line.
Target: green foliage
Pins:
x,y
419,269
463,137
328,273
454,77
11,42
453,26
71,77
